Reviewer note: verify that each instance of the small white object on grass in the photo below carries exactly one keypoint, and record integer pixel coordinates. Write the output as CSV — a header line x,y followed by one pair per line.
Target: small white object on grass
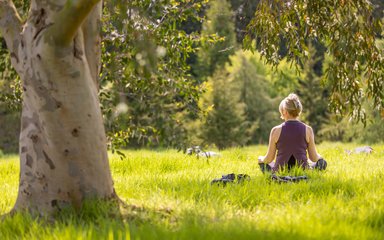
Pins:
x,y
209,154
200,153
364,149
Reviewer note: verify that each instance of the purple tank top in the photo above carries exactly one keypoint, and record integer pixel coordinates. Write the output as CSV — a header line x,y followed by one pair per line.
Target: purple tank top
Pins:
x,y
292,142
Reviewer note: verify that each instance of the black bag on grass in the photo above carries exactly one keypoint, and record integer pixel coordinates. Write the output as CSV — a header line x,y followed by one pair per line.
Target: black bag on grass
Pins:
x,y
231,178
287,179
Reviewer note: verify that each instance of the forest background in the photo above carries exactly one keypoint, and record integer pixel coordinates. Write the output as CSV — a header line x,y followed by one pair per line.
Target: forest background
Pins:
x,y
219,95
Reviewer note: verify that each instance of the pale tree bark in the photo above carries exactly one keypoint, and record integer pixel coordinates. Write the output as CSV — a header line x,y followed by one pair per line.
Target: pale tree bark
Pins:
x,y
10,26
63,155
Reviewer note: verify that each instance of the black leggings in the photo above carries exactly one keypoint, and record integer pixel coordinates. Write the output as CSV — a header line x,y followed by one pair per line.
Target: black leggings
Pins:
x,y
321,164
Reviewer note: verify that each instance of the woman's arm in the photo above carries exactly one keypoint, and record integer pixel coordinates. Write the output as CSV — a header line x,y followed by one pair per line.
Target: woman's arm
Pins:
x,y
271,153
312,153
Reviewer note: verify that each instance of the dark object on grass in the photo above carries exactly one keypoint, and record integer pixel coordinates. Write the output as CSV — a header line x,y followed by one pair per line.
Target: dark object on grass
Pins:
x,y
321,164
287,179
231,178
264,167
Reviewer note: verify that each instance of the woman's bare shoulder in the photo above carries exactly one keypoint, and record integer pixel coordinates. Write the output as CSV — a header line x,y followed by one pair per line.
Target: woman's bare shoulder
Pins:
x,y
308,133
308,128
276,131
277,128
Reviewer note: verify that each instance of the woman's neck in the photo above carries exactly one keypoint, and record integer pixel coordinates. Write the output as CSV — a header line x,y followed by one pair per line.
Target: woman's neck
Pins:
x,y
291,119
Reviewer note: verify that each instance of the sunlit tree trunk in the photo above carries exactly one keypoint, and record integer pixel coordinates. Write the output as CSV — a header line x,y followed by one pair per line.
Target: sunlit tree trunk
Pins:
x,y
63,155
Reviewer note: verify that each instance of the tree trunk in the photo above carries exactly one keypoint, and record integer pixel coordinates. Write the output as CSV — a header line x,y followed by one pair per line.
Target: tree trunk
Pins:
x,y
63,155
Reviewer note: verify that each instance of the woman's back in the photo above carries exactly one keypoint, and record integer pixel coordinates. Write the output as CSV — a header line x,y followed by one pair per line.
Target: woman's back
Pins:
x,y
291,140
291,143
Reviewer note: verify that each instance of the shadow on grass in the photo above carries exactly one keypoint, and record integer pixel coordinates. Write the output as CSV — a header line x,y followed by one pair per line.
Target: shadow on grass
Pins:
x,y
102,220
106,220
95,220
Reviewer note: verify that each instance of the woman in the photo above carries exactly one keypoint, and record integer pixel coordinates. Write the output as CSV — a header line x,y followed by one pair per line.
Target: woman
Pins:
x,y
292,140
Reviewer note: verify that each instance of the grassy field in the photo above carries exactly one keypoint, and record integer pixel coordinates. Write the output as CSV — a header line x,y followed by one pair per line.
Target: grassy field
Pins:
x,y
170,197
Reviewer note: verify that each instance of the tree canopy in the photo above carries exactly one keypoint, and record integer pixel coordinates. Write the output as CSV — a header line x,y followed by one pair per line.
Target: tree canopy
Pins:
x,y
144,79
346,28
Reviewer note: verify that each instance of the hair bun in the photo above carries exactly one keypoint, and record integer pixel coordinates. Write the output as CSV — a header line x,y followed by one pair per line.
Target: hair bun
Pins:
x,y
295,103
292,104
293,97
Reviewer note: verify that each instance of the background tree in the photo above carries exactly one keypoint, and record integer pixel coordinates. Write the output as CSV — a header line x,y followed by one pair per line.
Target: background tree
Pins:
x,y
146,83
344,129
10,95
9,104
313,93
225,125
285,79
251,80
378,9
213,55
244,11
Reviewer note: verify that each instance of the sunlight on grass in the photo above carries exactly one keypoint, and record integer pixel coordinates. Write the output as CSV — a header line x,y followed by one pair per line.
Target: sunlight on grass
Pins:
x,y
171,198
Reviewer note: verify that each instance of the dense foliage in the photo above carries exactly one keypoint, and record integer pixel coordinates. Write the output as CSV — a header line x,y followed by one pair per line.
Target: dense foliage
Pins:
x,y
145,83
346,28
174,73
220,22
225,125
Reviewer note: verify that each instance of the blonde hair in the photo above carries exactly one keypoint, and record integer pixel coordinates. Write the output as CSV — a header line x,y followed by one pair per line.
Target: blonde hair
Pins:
x,y
292,105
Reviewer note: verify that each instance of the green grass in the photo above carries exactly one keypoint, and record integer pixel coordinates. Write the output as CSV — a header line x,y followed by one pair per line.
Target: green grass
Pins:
x,y
170,197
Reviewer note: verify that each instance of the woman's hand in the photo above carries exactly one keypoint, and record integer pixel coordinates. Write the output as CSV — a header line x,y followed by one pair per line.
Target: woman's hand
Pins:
x,y
261,159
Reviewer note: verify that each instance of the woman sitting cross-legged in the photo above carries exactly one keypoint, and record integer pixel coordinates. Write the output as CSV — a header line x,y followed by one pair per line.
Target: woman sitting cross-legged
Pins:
x,y
292,140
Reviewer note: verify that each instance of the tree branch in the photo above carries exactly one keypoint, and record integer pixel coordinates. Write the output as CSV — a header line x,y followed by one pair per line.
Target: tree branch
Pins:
x,y
69,19
92,40
10,27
